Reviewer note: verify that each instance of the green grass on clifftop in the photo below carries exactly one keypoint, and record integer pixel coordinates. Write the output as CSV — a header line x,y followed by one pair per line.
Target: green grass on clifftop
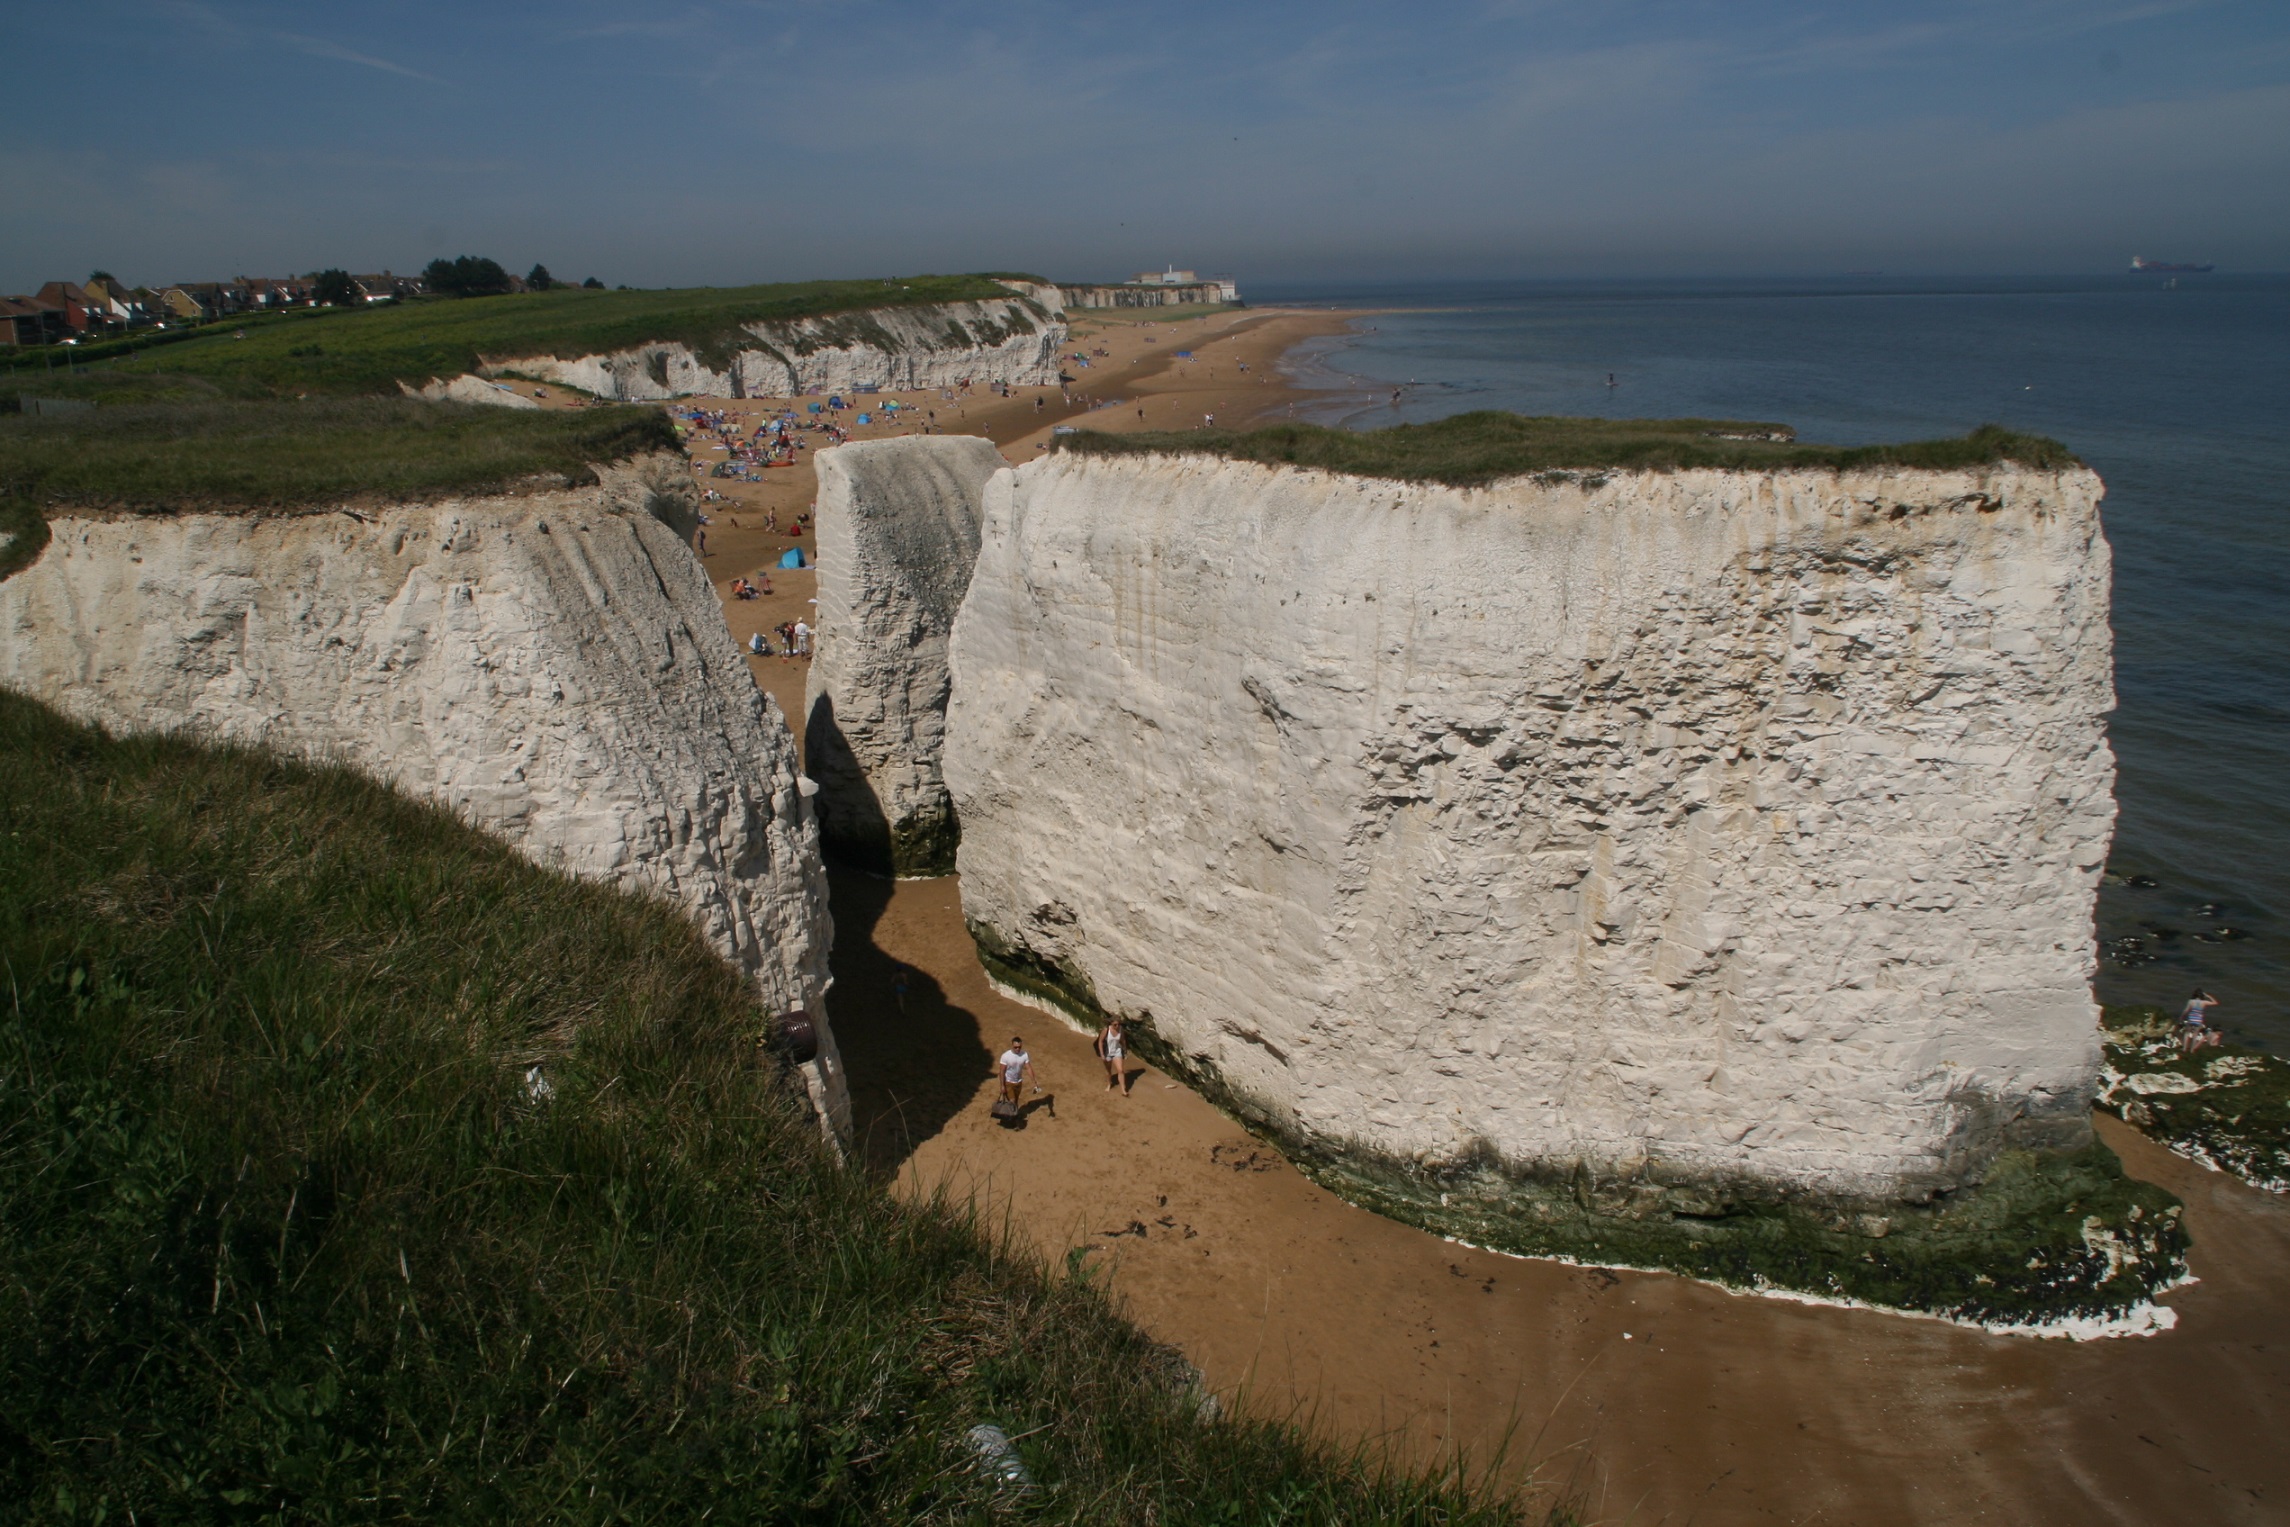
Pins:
x,y
1473,449
370,350
284,455
288,1235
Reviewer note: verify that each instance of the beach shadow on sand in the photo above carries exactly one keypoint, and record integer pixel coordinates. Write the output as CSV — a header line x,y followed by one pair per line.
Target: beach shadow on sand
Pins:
x,y
909,1072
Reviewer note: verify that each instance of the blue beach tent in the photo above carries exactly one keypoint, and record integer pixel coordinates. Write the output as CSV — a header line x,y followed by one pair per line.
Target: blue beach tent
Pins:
x,y
792,557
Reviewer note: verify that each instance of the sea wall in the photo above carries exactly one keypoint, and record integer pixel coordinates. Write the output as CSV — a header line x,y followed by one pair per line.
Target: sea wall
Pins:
x,y
1714,834
555,667
897,537
1014,340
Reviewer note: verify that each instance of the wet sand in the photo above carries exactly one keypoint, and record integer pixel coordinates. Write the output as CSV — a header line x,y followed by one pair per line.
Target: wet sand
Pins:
x,y
1654,1399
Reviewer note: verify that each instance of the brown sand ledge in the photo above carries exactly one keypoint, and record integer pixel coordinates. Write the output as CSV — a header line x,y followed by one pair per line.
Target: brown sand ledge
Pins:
x,y
1660,1399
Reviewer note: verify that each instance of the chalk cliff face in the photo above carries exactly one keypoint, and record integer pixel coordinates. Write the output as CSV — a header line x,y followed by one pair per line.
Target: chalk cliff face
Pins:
x,y
1747,825
898,535
1014,339
555,667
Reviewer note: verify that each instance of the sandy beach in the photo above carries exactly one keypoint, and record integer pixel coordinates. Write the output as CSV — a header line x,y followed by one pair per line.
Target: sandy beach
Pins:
x,y
1651,1398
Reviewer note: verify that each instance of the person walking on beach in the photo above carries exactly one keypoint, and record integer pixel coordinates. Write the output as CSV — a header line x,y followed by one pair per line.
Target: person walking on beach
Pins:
x,y
1113,1049
2195,1032
1016,1068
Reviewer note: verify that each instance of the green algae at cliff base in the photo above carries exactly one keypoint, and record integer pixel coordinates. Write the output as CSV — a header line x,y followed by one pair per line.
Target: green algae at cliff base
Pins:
x,y
2043,1243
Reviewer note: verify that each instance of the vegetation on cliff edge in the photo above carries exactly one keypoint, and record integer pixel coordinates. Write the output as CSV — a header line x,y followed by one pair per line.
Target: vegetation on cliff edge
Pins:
x,y
354,1169
173,457
363,351
1473,449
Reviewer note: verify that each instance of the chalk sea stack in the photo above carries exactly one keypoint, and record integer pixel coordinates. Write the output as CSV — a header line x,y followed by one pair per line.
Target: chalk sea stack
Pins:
x,y
897,537
1686,867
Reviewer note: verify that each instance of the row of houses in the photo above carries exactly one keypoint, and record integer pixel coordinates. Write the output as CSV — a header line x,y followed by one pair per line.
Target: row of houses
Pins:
x,y
63,311
1154,289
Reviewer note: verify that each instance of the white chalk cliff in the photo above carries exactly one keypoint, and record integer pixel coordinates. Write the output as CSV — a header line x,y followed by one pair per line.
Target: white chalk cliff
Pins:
x,y
1013,339
1747,823
553,666
897,537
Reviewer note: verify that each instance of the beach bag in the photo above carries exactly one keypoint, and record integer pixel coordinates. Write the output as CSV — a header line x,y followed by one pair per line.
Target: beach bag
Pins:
x,y
1005,1109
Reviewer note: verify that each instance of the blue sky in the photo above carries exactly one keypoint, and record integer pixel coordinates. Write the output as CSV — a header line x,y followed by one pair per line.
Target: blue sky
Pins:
x,y
719,142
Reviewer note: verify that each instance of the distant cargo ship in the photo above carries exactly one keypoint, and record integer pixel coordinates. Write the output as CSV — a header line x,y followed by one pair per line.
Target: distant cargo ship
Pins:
x,y
2146,267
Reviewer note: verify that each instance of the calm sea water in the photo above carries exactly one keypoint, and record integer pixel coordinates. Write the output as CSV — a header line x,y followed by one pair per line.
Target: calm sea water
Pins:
x,y
2178,396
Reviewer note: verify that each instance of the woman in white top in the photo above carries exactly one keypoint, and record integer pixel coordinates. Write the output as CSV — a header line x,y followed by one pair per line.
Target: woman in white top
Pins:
x,y
1113,1049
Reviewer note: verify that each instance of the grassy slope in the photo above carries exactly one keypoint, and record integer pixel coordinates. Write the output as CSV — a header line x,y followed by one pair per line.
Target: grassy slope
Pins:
x,y
285,1236
175,456
371,350
1476,448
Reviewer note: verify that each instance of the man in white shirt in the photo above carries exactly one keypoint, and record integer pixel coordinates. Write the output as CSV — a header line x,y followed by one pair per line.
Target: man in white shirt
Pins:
x,y
802,639
1016,1068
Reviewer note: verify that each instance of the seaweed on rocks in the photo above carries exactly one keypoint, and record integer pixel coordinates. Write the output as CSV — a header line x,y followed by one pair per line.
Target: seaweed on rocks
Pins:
x,y
2224,1106
2043,1242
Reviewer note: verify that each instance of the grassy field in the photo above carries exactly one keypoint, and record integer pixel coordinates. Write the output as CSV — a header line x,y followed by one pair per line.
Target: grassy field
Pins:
x,y
176,455
289,1232
1476,448
347,352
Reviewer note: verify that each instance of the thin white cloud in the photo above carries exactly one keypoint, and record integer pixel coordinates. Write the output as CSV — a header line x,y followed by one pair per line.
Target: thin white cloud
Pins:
x,y
319,47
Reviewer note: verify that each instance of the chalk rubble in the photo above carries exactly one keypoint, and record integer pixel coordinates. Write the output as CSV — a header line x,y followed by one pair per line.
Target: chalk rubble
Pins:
x,y
897,529
555,667
1742,824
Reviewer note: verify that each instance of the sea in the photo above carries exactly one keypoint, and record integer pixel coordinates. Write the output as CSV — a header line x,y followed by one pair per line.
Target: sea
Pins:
x,y
2176,391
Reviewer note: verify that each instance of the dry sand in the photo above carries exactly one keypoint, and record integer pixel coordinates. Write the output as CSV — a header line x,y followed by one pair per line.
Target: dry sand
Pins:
x,y
1658,1400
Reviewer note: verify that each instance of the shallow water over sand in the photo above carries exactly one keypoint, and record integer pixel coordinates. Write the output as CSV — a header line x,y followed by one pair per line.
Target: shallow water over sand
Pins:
x,y
2177,396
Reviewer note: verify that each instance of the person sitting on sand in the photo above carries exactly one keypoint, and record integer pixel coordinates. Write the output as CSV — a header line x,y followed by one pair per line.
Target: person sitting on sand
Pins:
x,y
758,646
2195,1032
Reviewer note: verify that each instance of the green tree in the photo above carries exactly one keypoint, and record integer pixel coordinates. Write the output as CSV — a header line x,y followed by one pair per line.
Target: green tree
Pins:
x,y
335,289
104,276
592,284
469,276
538,279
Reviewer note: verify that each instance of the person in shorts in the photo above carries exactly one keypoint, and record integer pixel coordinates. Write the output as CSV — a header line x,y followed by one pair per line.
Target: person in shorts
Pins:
x,y
2195,1032
1113,1049
1016,1068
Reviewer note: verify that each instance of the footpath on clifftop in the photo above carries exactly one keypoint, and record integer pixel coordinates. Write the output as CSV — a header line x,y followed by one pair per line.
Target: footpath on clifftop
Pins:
x,y
1658,1398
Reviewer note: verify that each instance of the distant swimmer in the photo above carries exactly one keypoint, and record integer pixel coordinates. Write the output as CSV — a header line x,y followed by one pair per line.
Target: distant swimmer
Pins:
x,y
1395,397
1610,379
